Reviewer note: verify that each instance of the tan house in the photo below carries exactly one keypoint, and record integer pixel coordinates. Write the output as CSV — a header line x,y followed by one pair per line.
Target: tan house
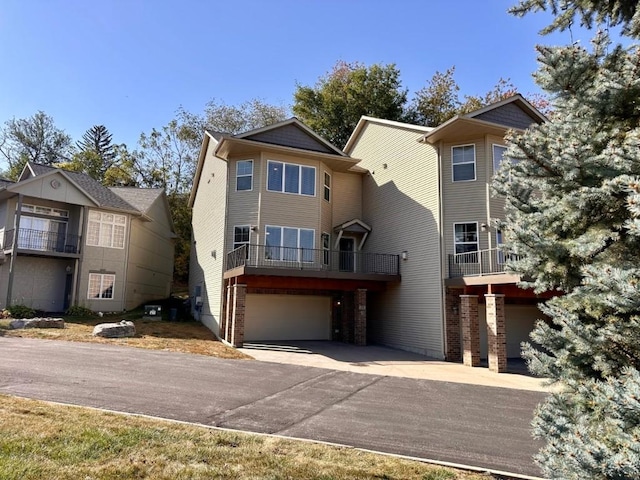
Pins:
x,y
68,240
429,194
389,241
278,239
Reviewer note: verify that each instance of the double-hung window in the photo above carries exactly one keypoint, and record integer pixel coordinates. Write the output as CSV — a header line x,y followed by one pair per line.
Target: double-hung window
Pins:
x,y
465,241
289,244
498,156
326,247
101,285
327,187
241,237
244,175
463,163
291,178
106,229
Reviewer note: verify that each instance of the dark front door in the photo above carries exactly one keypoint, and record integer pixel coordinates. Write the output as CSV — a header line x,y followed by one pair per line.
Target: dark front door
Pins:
x,y
347,255
68,285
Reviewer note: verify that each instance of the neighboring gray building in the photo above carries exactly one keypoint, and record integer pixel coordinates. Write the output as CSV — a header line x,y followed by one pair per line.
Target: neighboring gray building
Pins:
x,y
68,240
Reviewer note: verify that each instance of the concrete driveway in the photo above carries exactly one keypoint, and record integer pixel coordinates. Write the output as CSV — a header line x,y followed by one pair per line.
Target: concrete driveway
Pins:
x,y
379,360
485,427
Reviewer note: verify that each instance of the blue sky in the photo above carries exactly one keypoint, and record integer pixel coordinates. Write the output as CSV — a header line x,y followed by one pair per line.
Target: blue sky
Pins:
x,y
129,64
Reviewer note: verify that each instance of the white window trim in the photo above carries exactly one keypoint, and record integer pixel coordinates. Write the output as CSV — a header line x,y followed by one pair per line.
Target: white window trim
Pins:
x,y
475,166
102,278
247,243
245,175
493,157
326,187
315,178
89,220
282,227
477,242
326,255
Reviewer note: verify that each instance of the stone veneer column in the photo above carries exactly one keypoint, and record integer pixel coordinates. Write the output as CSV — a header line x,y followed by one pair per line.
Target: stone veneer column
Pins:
x,y
453,348
496,333
470,330
237,329
360,317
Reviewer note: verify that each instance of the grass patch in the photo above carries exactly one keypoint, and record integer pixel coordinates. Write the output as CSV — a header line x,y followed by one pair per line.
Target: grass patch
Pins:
x,y
183,336
44,441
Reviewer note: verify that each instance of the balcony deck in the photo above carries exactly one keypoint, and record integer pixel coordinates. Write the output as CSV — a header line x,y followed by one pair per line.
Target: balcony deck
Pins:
x,y
482,267
311,263
42,243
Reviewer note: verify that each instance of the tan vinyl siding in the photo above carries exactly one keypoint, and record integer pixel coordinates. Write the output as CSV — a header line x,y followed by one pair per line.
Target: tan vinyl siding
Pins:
x,y
151,255
400,203
347,197
466,201
208,244
244,206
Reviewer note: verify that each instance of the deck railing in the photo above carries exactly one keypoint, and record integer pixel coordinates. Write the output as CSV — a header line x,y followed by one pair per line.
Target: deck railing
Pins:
x,y
42,240
478,263
265,256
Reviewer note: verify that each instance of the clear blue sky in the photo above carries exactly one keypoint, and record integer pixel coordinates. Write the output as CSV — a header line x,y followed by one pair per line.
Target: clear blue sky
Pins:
x,y
129,64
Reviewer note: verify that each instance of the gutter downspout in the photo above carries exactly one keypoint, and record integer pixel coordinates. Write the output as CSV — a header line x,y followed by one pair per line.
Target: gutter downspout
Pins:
x,y
14,247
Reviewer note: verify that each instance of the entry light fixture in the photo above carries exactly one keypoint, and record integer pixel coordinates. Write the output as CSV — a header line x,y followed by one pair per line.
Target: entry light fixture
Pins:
x,y
483,227
404,255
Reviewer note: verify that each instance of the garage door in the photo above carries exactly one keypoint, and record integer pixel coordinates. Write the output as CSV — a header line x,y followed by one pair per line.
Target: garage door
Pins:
x,y
287,317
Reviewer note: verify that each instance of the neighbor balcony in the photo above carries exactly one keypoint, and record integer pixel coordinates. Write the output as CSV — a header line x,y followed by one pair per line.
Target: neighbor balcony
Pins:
x,y
481,267
42,242
308,262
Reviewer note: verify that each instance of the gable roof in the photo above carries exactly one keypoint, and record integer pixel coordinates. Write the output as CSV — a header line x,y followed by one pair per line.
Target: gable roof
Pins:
x,y
513,112
98,193
364,120
140,198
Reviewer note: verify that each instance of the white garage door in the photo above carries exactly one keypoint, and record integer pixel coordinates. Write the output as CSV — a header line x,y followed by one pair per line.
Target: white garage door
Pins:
x,y
287,317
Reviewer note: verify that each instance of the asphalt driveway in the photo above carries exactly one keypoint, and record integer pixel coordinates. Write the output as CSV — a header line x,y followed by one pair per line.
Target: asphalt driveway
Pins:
x,y
475,425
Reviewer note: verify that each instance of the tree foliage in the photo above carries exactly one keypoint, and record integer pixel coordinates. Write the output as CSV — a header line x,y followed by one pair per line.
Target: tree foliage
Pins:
x,y
34,139
573,217
333,107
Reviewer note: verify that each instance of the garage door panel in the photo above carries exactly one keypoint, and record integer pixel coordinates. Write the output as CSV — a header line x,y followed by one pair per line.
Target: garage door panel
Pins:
x,y
287,317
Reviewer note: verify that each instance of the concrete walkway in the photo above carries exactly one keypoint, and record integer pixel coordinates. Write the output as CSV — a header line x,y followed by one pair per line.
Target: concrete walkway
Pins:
x,y
390,362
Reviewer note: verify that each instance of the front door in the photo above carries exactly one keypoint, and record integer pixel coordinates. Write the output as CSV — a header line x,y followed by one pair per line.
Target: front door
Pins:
x,y
347,255
68,285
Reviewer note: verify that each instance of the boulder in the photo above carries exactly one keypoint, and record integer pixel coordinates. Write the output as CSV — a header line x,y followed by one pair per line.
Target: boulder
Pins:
x,y
37,323
115,330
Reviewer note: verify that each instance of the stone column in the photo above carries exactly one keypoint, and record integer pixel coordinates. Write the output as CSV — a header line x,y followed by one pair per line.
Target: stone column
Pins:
x,y
360,317
453,348
470,330
237,321
496,333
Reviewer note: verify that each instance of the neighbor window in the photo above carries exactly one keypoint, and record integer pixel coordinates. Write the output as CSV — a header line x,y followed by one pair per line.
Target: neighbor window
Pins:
x,y
498,156
241,237
244,175
106,229
101,285
289,244
463,160
465,237
327,187
291,178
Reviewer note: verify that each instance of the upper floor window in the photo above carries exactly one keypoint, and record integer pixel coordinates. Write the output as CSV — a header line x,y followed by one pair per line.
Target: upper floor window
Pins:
x,y
291,178
244,175
465,237
327,187
498,156
106,229
463,160
52,212
326,247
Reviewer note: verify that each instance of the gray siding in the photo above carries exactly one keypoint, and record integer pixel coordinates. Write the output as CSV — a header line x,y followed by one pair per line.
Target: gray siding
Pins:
x,y
401,204
208,243
291,136
509,115
38,282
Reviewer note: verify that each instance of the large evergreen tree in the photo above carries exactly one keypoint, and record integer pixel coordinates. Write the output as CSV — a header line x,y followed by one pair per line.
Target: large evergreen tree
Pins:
x,y
573,217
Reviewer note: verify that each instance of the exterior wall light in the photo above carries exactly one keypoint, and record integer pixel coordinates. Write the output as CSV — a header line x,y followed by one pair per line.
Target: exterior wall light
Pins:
x,y
404,255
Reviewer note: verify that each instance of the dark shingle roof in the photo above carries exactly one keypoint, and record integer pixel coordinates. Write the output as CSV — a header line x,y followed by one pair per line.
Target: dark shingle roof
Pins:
x,y
140,198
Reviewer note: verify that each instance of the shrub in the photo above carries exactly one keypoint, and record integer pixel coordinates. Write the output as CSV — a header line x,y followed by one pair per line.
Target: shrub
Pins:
x,y
78,311
21,311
